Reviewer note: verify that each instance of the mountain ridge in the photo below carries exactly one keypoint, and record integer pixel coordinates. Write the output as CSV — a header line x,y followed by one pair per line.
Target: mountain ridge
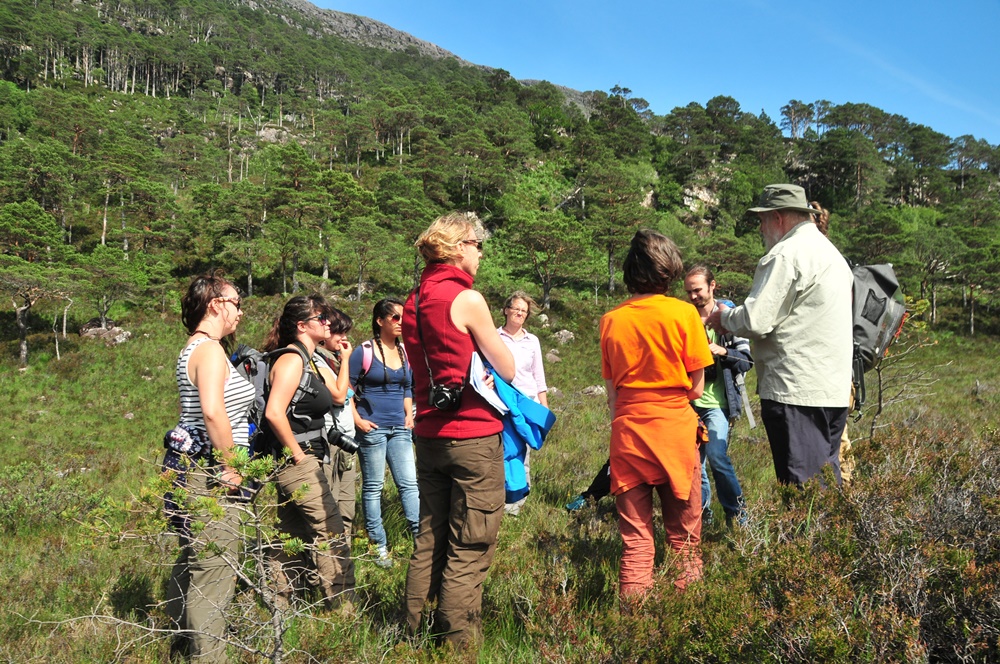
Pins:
x,y
364,31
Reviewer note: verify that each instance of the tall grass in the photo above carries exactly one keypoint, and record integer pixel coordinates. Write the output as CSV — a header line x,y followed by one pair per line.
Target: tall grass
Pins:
x,y
903,565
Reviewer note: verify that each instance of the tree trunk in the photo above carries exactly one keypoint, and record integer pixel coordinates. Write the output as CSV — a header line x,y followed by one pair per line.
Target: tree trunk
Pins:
x,y
104,221
972,311
249,275
325,244
21,316
611,270
933,304
55,334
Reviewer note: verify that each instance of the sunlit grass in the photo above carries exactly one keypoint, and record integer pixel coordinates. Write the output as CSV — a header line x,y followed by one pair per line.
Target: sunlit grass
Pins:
x,y
816,575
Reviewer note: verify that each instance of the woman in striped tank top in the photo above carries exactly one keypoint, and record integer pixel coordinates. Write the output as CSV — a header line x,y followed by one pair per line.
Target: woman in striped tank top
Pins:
x,y
214,404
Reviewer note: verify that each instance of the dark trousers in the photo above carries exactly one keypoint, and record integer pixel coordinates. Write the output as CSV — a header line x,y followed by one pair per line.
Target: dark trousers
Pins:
x,y
461,485
803,439
601,486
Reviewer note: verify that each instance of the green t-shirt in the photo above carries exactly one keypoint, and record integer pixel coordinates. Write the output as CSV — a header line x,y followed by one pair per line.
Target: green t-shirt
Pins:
x,y
714,395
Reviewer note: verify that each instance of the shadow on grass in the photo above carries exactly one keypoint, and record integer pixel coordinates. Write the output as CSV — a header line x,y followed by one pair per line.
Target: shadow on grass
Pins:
x,y
132,596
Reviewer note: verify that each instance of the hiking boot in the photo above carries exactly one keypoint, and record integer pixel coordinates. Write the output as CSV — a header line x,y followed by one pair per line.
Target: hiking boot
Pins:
x,y
707,517
576,504
382,557
736,520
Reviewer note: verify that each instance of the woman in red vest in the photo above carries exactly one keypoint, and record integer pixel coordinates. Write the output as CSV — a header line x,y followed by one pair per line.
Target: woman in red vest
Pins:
x,y
460,472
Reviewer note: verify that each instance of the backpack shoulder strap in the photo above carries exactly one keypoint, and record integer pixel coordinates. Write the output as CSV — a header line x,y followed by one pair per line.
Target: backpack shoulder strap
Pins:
x,y
366,357
303,387
366,363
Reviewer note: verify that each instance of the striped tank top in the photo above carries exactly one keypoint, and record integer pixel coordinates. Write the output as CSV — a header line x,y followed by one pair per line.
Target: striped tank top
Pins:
x,y
238,396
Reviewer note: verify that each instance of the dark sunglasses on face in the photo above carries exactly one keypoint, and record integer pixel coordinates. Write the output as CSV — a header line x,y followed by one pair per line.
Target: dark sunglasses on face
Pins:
x,y
322,318
478,243
395,318
235,300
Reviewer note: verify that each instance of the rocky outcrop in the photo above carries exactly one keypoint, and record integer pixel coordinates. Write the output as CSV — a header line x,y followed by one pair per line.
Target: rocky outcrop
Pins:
x,y
357,29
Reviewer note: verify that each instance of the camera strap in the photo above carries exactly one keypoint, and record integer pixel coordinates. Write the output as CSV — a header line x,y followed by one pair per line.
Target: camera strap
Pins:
x,y
420,335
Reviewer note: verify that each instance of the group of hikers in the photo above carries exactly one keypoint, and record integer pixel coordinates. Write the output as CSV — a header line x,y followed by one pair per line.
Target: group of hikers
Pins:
x,y
452,404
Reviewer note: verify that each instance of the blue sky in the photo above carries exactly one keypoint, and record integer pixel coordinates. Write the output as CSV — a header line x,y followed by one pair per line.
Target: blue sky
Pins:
x,y
933,62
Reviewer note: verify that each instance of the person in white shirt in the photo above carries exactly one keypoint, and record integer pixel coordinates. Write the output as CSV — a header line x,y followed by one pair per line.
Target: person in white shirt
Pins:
x,y
527,352
798,316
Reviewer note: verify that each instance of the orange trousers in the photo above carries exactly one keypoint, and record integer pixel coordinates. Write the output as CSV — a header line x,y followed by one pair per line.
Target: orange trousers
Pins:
x,y
682,523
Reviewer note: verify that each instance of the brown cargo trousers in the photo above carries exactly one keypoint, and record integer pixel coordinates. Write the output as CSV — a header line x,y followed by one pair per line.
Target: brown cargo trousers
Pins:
x,y
314,517
462,495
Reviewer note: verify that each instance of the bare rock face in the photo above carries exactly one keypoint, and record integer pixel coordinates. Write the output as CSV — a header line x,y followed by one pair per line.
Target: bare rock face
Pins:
x,y
95,324
552,357
112,336
358,29
594,391
564,336
272,135
542,319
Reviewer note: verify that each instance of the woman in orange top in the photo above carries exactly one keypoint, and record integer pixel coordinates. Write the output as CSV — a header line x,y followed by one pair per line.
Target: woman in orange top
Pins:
x,y
653,354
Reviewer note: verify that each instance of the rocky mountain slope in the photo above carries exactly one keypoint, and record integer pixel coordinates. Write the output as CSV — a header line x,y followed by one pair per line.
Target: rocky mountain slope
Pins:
x,y
357,29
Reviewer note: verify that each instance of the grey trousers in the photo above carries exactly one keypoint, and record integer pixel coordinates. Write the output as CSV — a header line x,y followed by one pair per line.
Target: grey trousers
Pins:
x,y
202,582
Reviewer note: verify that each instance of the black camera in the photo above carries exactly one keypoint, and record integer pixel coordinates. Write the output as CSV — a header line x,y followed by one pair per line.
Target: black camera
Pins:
x,y
446,397
712,371
342,440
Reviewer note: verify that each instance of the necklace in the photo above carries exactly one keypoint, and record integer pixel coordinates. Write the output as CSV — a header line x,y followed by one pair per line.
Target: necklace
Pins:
x,y
206,334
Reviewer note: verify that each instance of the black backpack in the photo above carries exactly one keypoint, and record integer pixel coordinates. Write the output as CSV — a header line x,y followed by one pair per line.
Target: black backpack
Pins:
x,y
254,366
879,314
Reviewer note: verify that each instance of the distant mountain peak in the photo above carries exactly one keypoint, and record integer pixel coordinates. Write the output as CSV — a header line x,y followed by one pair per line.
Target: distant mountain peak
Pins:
x,y
361,30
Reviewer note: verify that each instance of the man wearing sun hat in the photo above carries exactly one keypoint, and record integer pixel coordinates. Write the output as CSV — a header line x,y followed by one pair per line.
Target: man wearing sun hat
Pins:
x,y
798,315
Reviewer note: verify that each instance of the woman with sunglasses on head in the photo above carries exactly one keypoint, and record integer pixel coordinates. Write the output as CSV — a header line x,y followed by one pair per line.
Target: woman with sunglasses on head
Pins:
x,y
214,405
297,434
383,380
527,352
460,455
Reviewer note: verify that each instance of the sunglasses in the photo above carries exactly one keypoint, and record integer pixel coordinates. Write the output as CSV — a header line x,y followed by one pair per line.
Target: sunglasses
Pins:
x,y
322,318
395,318
235,300
478,243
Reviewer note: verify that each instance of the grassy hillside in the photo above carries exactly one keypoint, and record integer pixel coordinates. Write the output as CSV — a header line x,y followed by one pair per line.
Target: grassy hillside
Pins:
x,y
901,566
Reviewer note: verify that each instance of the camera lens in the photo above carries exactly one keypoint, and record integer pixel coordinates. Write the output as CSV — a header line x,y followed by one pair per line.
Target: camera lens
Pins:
x,y
343,441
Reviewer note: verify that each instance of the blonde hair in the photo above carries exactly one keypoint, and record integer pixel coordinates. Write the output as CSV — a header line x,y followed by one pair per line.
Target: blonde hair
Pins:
x,y
442,241
821,217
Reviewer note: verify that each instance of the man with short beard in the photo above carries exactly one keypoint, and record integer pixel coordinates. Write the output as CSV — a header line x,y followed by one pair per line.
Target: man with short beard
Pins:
x,y
798,315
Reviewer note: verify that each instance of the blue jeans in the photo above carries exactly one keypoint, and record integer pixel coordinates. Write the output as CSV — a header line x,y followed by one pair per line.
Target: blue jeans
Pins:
x,y
716,451
395,445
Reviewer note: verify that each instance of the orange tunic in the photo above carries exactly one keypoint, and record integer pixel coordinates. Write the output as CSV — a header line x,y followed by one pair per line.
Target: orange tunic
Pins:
x,y
648,347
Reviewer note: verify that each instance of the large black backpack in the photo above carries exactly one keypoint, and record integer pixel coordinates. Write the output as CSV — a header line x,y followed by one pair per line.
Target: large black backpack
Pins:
x,y
254,366
879,314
